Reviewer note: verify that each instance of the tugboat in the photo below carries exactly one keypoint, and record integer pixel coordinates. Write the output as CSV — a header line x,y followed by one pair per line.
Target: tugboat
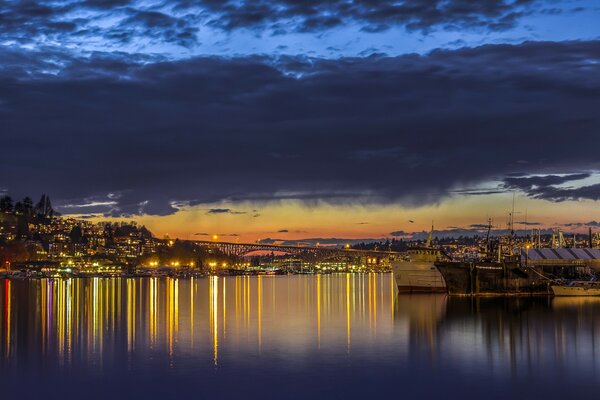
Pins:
x,y
416,271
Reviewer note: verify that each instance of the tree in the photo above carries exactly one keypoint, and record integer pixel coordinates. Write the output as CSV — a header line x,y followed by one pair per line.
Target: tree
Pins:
x,y
6,204
76,234
27,206
19,208
44,208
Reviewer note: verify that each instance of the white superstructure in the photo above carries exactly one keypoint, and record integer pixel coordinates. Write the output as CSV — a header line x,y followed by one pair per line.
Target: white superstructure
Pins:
x,y
416,272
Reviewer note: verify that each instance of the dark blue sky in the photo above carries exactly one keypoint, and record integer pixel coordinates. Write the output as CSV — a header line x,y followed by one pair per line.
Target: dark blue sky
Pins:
x,y
140,107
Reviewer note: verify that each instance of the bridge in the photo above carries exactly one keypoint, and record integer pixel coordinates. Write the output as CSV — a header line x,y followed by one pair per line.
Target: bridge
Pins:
x,y
307,252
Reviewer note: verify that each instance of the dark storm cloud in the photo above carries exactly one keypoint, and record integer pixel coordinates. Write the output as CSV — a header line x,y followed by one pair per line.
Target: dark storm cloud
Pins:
x,y
546,187
20,20
112,22
374,15
121,22
590,192
153,24
527,183
153,136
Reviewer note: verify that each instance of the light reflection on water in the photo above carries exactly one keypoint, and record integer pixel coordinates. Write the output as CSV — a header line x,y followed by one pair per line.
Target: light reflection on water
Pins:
x,y
346,333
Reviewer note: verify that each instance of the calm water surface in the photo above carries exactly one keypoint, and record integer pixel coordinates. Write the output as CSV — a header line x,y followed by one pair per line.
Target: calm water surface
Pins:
x,y
297,337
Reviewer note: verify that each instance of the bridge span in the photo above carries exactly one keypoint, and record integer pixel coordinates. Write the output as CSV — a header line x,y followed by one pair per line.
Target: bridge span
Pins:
x,y
241,249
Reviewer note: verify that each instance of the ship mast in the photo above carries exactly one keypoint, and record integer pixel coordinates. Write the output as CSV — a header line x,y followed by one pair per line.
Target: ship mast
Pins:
x,y
487,238
429,237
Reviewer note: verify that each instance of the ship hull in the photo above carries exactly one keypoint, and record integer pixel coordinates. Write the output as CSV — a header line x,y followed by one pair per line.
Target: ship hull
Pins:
x,y
418,277
489,278
560,290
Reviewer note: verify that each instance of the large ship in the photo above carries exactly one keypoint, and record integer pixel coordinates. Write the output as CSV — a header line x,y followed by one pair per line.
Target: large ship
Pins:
x,y
415,272
523,271
500,271
489,277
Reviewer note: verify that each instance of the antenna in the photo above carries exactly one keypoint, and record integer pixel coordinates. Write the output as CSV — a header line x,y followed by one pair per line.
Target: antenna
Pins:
x,y
512,217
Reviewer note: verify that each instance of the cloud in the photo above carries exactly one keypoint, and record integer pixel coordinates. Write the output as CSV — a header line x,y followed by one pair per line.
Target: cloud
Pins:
x,y
282,231
477,226
543,181
220,234
329,242
166,28
399,233
224,211
591,224
123,23
109,22
373,16
547,187
271,129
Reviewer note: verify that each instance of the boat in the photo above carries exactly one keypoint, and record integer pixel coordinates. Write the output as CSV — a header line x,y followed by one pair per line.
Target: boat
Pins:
x,y
416,272
500,271
486,277
577,288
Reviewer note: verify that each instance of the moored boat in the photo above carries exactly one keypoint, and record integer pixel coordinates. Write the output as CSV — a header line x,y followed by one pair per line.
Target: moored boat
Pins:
x,y
492,278
577,288
416,271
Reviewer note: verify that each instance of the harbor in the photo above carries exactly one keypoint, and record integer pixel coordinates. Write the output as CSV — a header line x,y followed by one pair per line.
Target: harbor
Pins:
x,y
502,268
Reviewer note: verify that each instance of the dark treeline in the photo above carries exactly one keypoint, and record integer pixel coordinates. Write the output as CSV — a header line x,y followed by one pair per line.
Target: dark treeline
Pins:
x,y
22,213
388,245
25,207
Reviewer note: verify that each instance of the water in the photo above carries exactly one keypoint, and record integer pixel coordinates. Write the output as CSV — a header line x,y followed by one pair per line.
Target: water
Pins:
x,y
340,336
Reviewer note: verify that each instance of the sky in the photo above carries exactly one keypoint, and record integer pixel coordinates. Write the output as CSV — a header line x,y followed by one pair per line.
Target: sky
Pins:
x,y
300,119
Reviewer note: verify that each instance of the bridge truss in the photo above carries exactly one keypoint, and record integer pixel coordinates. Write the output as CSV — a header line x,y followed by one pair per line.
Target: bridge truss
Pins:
x,y
303,252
